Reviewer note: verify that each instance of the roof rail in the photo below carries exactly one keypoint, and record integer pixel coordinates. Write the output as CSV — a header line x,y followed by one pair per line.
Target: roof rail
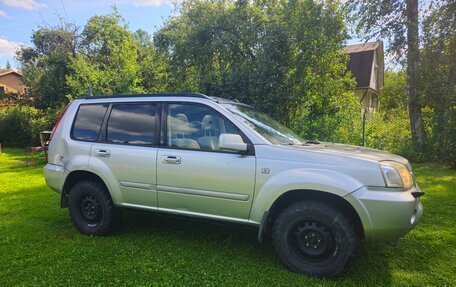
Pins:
x,y
190,95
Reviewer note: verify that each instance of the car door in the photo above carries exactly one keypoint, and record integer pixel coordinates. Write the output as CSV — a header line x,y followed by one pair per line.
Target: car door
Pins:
x,y
194,177
128,148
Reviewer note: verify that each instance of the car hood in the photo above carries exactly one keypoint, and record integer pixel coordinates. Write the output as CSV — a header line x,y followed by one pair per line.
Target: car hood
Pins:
x,y
351,151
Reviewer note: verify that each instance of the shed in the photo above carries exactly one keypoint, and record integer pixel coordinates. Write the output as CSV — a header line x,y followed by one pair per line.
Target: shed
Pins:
x,y
367,65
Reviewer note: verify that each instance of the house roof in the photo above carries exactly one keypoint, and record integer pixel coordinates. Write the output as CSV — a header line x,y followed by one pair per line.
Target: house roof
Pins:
x,y
9,72
362,47
361,61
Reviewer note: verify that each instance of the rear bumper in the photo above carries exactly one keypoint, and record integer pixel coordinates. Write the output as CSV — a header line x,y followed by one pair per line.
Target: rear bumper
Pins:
x,y
53,175
386,215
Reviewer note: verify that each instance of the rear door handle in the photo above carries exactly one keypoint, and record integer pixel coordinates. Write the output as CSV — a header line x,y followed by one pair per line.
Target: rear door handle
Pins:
x,y
103,153
171,159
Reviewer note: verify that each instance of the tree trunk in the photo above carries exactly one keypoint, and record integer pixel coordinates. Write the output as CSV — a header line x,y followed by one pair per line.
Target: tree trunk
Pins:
x,y
413,100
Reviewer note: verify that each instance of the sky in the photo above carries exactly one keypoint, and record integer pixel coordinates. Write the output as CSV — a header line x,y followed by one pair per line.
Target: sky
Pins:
x,y
18,18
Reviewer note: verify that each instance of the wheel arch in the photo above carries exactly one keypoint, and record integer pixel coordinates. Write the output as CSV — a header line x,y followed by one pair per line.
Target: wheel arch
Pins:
x,y
292,196
74,177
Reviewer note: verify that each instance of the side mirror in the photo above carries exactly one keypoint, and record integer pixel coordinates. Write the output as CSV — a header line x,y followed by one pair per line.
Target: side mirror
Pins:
x,y
232,142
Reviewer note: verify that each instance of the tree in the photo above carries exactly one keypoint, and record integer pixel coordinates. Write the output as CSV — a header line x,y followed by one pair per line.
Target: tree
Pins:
x,y
284,57
8,65
438,63
45,65
394,91
438,78
106,58
113,60
153,67
396,20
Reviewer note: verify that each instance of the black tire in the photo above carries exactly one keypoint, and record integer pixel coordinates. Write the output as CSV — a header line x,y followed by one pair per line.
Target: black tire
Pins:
x,y
314,239
91,208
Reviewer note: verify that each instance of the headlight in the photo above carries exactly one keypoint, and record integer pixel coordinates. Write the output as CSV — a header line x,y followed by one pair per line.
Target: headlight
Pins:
x,y
396,174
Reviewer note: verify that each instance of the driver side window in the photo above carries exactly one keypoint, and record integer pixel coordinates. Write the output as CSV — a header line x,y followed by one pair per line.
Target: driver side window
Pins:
x,y
196,127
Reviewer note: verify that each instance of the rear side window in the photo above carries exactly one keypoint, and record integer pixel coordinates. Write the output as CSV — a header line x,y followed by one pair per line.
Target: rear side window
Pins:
x,y
88,122
132,124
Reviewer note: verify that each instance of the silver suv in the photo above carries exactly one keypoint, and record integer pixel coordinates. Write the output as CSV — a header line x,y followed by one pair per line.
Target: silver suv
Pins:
x,y
192,155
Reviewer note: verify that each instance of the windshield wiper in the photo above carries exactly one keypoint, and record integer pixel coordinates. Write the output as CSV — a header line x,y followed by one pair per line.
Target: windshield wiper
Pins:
x,y
305,143
311,142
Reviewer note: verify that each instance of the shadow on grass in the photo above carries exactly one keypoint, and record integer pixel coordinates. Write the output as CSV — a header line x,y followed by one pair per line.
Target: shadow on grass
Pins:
x,y
17,163
37,217
371,264
31,222
36,212
140,221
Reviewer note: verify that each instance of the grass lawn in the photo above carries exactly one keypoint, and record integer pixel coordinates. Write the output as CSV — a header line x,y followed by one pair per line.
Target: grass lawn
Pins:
x,y
39,246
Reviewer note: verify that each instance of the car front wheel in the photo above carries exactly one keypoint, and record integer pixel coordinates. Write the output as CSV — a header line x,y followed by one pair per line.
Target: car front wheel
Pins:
x,y
315,239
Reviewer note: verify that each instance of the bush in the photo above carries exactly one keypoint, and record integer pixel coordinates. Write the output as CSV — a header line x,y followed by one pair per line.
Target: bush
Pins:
x,y
452,137
20,126
441,134
343,124
15,129
390,131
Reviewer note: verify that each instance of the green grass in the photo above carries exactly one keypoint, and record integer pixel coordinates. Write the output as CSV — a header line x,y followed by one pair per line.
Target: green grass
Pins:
x,y
39,246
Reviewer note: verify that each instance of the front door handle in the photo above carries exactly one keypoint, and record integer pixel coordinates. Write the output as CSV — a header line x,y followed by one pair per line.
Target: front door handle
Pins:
x,y
172,159
103,153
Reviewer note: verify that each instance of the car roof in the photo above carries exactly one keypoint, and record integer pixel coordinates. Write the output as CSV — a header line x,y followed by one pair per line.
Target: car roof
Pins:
x,y
191,95
161,95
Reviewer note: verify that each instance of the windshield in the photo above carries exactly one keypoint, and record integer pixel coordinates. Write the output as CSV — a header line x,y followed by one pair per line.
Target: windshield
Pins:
x,y
266,126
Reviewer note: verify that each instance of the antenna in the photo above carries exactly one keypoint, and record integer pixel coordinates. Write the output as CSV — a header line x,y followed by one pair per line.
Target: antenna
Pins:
x,y
89,89
64,10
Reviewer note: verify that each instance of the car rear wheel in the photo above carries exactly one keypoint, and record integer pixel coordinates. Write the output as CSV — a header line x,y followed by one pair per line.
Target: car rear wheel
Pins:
x,y
91,209
314,239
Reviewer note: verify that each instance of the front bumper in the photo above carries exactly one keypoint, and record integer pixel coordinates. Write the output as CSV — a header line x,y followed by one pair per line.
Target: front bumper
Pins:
x,y
386,215
53,175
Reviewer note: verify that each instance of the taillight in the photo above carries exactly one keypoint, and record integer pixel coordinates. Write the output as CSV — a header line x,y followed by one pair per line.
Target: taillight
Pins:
x,y
58,121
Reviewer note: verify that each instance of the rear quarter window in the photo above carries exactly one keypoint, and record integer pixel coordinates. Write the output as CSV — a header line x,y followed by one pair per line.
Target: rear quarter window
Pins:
x,y
88,121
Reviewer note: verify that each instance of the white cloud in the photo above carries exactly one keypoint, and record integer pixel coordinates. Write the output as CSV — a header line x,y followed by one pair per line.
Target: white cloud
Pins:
x,y
151,2
8,48
2,13
24,4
